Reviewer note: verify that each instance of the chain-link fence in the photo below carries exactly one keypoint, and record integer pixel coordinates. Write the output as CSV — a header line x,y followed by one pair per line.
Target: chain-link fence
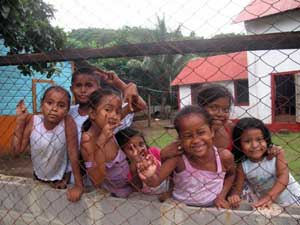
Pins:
x,y
236,59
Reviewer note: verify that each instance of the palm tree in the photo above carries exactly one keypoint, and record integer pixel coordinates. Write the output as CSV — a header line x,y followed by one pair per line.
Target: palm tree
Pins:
x,y
164,68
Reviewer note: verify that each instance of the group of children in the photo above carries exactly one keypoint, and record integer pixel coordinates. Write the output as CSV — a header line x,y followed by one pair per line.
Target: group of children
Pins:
x,y
210,164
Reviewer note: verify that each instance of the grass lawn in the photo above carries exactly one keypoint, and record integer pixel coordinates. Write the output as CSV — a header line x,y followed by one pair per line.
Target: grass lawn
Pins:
x,y
291,144
160,137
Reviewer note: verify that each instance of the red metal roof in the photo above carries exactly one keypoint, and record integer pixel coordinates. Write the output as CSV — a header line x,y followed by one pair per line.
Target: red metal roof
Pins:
x,y
231,66
261,8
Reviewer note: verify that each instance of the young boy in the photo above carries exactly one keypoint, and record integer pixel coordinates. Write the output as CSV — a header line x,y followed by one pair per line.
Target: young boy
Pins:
x,y
87,80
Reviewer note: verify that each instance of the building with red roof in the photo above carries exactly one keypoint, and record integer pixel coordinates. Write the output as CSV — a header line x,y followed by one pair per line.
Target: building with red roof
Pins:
x,y
265,83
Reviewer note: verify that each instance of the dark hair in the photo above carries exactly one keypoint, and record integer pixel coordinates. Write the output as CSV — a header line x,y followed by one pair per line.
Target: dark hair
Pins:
x,y
212,92
239,128
94,100
191,109
90,71
57,88
125,135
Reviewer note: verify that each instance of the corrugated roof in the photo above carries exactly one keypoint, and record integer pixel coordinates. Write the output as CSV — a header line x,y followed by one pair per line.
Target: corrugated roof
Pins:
x,y
231,66
261,8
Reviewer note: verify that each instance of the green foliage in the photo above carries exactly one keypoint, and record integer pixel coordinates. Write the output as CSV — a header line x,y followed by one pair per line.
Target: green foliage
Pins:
x,y
153,73
25,28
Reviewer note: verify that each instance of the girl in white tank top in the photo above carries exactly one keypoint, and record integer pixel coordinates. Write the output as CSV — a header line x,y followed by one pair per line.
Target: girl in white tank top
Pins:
x,y
269,179
50,137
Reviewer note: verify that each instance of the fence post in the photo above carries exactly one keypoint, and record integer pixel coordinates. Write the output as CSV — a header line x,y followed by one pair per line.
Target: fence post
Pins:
x,y
149,112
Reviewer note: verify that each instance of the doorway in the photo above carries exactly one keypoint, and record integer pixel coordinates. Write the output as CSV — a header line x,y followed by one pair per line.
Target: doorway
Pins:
x,y
285,98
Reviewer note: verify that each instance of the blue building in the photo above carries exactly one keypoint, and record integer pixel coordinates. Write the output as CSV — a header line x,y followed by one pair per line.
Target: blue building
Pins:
x,y
14,86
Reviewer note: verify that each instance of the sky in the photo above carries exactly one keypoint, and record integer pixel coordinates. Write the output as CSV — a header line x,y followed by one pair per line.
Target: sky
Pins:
x,y
204,17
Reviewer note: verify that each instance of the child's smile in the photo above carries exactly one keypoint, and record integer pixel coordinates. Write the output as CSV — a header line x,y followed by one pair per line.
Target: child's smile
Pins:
x,y
195,135
253,144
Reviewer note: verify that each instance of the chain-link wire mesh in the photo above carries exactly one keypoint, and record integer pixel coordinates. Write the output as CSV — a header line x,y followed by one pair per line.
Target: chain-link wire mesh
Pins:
x,y
238,60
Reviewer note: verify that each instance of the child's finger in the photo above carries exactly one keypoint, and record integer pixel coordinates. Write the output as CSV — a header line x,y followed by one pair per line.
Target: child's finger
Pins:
x,y
129,101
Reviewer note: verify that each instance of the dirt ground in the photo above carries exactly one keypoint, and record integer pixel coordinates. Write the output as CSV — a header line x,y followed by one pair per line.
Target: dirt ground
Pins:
x,y
19,166
22,166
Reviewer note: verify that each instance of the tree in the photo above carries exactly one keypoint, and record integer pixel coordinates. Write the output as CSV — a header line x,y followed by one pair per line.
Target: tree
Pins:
x,y
25,28
164,68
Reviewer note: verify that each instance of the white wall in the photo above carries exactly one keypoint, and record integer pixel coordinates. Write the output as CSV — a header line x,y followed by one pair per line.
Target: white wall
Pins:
x,y
185,95
263,63
236,111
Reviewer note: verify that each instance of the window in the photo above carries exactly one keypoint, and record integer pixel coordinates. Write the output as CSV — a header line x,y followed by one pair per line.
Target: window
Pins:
x,y
38,89
241,90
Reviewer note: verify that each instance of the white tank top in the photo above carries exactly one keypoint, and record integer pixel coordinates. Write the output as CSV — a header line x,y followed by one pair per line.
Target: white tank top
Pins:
x,y
79,120
262,176
48,150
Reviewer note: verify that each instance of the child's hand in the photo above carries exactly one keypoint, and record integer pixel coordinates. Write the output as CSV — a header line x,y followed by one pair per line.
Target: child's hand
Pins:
x,y
264,202
273,151
131,95
21,110
220,202
107,133
74,193
234,201
107,76
147,167
172,150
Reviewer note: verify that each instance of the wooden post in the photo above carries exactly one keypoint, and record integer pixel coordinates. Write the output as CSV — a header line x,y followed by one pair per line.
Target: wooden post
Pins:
x,y
149,110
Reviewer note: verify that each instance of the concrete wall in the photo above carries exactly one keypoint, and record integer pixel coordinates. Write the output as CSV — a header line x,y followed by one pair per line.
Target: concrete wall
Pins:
x,y
24,201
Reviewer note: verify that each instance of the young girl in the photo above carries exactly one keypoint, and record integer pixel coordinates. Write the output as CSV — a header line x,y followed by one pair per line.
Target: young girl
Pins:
x,y
269,179
134,146
87,80
105,162
51,137
217,100
204,174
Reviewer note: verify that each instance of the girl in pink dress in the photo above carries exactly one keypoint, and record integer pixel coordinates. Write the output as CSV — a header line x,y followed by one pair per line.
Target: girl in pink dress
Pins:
x,y
203,174
133,143
105,162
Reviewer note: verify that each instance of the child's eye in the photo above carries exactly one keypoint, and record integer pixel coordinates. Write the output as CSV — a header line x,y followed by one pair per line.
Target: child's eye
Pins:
x,y
201,132
62,105
246,141
49,102
142,144
108,109
186,136
261,139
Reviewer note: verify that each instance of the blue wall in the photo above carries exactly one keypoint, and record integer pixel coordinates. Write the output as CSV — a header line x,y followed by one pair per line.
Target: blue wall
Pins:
x,y
14,86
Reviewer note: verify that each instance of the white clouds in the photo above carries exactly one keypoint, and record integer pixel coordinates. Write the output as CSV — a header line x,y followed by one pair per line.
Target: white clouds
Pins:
x,y
204,17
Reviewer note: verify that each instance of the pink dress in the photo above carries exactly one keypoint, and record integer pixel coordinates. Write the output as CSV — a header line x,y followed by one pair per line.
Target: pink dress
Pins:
x,y
116,181
198,187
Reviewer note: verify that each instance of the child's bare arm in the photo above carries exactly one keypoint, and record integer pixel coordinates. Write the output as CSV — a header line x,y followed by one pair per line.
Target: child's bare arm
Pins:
x,y
273,151
237,188
149,174
172,150
94,158
24,121
228,162
282,174
73,194
135,181
135,102
130,93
